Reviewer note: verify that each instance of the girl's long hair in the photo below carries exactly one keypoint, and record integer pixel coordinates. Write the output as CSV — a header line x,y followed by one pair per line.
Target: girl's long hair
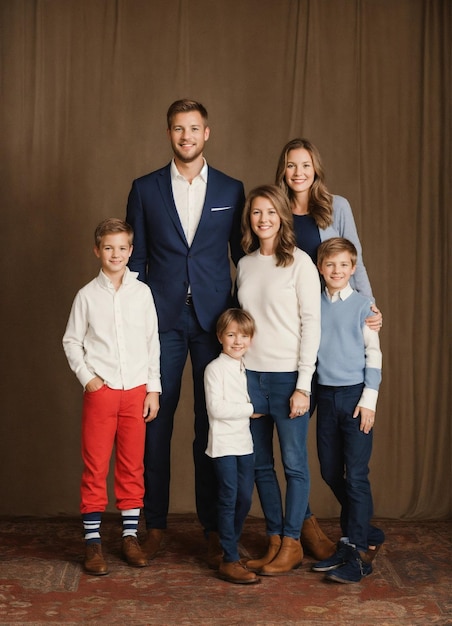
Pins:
x,y
320,204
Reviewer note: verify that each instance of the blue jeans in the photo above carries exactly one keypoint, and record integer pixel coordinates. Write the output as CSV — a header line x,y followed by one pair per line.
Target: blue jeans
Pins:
x,y
344,454
175,345
270,393
235,475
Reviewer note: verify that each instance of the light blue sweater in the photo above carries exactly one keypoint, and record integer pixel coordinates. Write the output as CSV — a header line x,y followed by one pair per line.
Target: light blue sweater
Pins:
x,y
345,357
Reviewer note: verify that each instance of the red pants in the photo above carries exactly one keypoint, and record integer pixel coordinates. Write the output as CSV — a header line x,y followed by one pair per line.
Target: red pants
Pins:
x,y
113,417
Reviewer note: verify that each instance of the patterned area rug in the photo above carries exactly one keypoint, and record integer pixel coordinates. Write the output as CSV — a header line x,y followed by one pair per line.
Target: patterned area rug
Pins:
x,y
42,581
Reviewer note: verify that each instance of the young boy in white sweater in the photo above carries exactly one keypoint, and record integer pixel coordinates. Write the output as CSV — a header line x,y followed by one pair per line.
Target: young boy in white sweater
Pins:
x,y
230,443
349,375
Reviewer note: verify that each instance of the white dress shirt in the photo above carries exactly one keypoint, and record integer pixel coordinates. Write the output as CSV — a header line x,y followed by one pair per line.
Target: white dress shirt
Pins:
x,y
113,334
189,199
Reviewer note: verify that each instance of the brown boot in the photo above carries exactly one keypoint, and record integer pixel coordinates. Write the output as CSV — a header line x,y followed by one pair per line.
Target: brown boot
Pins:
x,y
289,557
94,562
237,573
153,544
274,544
314,540
214,550
133,553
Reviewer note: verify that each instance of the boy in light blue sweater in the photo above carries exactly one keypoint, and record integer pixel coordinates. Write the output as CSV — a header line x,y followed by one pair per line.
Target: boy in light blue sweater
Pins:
x,y
349,375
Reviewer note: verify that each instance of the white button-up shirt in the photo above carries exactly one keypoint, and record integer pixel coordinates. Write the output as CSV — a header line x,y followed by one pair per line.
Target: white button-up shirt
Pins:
x,y
113,334
189,199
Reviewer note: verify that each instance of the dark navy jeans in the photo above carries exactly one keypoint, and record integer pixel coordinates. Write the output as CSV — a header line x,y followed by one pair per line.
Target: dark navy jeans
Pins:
x,y
175,345
235,476
270,393
344,454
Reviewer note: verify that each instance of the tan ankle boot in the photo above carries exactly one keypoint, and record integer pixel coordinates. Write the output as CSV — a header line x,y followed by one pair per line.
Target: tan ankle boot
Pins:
x,y
289,557
314,540
274,543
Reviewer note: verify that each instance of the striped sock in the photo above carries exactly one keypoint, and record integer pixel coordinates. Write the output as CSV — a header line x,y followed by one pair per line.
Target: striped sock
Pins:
x,y
130,520
91,526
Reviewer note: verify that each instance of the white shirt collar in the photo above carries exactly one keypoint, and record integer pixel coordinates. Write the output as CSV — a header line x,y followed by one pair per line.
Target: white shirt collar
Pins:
x,y
106,282
176,175
238,363
343,294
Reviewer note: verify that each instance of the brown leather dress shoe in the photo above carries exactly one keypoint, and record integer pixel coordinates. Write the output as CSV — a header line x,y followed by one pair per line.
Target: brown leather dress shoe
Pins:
x,y
314,540
289,557
237,573
133,553
214,551
153,544
94,562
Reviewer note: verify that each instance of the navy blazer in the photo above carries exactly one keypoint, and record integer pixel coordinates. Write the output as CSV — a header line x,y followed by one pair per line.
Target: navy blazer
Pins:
x,y
164,260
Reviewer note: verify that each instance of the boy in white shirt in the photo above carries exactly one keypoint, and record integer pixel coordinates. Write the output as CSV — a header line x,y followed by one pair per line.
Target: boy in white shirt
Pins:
x,y
230,443
112,345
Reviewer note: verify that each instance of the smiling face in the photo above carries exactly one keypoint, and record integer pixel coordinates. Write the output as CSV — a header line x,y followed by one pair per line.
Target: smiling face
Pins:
x,y
188,135
300,173
264,220
114,251
337,270
235,340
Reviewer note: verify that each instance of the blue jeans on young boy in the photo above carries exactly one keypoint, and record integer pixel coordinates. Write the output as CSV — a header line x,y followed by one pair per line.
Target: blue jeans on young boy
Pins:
x,y
344,453
270,393
235,476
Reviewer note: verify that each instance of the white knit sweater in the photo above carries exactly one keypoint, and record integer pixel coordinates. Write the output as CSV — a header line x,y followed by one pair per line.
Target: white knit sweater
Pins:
x,y
285,304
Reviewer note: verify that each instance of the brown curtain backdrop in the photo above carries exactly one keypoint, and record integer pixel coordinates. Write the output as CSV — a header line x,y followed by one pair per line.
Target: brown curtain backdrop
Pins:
x,y
85,85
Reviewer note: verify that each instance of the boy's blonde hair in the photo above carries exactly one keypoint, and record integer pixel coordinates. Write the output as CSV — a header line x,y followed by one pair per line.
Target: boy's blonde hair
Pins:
x,y
334,246
242,318
112,225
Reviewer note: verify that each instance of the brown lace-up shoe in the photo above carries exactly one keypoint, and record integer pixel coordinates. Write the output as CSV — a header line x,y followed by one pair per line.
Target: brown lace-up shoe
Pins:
x,y
94,562
237,573
133,553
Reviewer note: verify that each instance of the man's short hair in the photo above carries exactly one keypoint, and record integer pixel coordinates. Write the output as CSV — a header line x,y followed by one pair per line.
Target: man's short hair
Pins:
x,y
185,106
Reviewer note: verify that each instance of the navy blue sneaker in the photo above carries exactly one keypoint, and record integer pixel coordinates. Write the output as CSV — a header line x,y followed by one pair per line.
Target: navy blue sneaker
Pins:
x,y
356,567
338,559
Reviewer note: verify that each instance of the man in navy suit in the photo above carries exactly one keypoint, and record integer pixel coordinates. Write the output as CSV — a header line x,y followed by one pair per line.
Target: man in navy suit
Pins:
x,y
185,216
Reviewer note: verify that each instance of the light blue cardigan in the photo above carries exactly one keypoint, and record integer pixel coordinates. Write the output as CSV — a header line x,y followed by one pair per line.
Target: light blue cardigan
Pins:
x,y
344,226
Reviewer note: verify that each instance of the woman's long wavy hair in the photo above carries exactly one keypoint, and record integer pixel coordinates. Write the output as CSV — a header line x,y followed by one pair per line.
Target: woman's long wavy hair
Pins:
x,y
320,204
285,239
